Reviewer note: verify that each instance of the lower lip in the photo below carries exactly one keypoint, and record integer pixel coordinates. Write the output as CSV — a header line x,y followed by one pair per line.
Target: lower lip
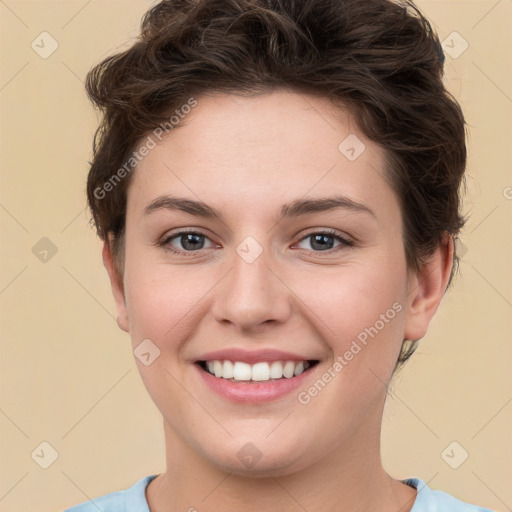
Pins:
x,y
246,391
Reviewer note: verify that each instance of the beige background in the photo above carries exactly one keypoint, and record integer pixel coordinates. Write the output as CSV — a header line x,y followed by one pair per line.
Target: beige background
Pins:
x,y
68,376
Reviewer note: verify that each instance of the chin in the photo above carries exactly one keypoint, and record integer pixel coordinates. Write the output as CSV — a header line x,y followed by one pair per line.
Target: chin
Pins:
x,y
259,458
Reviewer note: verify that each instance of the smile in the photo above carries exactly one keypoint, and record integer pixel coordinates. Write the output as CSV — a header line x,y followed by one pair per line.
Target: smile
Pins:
x,y
238,371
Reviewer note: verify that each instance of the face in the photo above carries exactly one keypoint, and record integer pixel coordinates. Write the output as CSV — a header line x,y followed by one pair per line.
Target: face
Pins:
x,y
293,257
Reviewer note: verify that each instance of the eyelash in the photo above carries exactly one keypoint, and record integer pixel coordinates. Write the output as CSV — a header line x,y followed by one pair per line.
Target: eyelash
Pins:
x,y
326,232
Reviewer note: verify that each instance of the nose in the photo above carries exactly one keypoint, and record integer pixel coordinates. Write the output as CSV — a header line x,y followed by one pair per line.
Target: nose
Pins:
x,y
252,295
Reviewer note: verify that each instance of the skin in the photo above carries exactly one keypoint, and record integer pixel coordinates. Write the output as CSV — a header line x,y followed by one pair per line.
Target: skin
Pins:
x,y
246,157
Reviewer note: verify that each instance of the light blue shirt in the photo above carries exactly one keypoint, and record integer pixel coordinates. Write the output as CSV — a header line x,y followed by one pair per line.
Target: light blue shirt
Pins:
x,y
133,499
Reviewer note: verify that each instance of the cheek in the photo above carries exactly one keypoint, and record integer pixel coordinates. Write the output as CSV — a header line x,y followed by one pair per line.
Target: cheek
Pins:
x,y
359,311
163,307
354,296
359,314
165,303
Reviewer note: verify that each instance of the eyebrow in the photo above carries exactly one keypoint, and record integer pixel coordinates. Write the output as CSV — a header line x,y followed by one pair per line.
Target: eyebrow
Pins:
x,y
293,209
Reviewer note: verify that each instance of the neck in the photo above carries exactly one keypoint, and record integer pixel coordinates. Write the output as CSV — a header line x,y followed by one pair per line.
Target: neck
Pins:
x,y
350,478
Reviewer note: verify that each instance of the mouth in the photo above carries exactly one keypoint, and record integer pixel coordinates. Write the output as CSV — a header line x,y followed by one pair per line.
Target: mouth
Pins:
x,y
260,372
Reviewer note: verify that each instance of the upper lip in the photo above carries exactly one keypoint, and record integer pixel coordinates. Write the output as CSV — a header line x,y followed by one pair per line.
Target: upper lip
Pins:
x,y
252,356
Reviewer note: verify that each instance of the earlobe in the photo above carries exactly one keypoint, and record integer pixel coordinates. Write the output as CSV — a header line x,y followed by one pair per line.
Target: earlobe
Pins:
x,y
426,289
116,282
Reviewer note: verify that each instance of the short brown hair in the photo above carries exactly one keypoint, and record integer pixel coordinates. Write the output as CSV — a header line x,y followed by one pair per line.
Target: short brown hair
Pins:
x,y
380,58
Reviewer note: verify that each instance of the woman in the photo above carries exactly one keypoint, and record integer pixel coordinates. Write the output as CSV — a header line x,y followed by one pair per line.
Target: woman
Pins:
x,y
277,187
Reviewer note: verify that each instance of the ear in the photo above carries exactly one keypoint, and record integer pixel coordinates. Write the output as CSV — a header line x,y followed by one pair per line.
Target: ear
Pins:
x,y
426,289
116,282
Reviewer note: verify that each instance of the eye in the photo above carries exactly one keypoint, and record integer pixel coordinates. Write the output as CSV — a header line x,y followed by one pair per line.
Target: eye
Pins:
x,y
323,241
187,242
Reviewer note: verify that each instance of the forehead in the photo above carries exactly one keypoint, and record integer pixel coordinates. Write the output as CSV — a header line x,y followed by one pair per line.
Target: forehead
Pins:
x,y
251,152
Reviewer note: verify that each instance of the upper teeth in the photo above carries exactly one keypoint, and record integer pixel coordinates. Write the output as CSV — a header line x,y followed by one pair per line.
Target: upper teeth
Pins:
x,y
258,372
